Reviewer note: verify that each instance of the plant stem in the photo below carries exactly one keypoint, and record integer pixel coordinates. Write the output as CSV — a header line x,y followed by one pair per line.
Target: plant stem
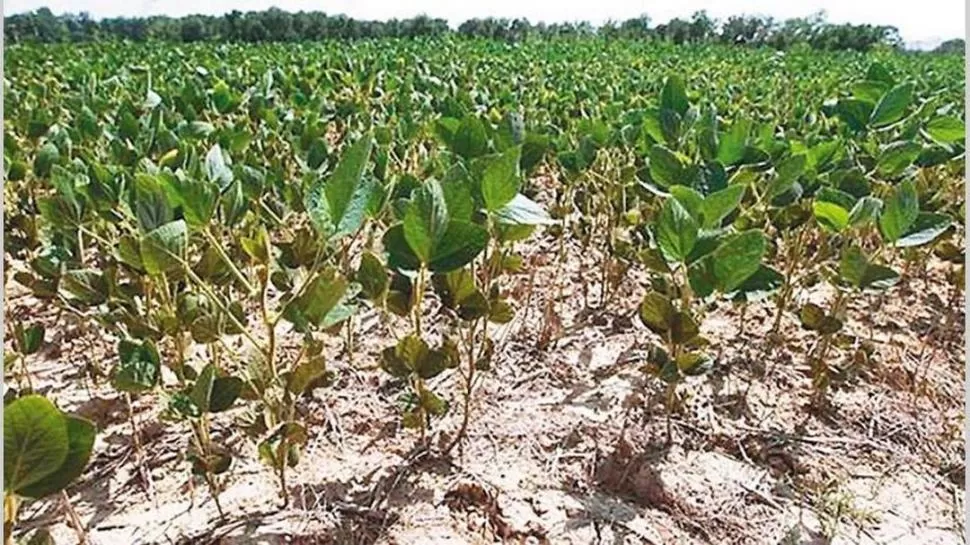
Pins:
x,y
75,520
10,506
139,451
225,258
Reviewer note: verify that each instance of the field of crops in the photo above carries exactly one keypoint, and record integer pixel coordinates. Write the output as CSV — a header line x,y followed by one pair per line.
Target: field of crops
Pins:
x,y
460,291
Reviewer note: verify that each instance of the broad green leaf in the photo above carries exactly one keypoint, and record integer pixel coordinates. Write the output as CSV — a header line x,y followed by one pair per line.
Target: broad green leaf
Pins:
x,y
35,442
338,205
461,243
925,229
693,364
866,210
896,157
321,297
657,313
730,145
88,286
831,216
690,199
80,442
501,179
28,339
899,212
202,389
946,129
759,285
673,96
719,205
856,113
737,259
676,231
372,277
216,169
163,249
225,391
857,271
138,368
426,220
892,106
522,210
470,138
666,168
45,160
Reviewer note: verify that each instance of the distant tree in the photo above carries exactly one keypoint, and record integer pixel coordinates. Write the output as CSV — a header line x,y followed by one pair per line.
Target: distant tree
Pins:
x,y
956,45
193,29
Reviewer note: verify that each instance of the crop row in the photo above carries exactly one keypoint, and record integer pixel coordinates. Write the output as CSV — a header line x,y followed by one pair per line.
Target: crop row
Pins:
x,y
184,199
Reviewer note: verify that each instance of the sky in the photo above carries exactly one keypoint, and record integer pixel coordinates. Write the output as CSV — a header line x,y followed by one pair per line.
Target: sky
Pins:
x,y
923,23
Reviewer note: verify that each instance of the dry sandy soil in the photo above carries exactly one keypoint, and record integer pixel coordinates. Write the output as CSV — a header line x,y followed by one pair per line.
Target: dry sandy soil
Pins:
x,y
569,442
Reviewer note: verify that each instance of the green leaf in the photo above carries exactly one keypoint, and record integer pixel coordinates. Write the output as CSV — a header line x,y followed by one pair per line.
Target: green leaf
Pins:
x,y
676,231
372,277
719,205
426,220
501,179
163,249
139,367
690,198
461,243
831,216
759,285
46,157
522,210
856,270
899,212
320,298
35,442
666,168
458,195
856,113
730,145
892,106
225,391
216,169
338,205
896,157
470,139
866,209
657,312
737,258
80,442
202,389
88,286
673,96
28,339
927,228
792,167
946,129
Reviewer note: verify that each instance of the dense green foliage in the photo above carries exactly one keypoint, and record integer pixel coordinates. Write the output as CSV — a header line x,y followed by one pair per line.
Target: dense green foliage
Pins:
x,y
198,201
275,25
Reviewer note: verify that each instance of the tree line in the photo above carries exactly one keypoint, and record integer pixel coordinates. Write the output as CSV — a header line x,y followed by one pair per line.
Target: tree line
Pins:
x,y
276,25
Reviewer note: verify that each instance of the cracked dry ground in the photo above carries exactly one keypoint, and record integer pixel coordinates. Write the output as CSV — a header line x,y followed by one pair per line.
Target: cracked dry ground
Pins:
x,y
568,442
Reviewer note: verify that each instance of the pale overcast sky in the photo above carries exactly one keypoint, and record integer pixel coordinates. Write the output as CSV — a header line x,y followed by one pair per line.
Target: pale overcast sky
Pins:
x,y
921,23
